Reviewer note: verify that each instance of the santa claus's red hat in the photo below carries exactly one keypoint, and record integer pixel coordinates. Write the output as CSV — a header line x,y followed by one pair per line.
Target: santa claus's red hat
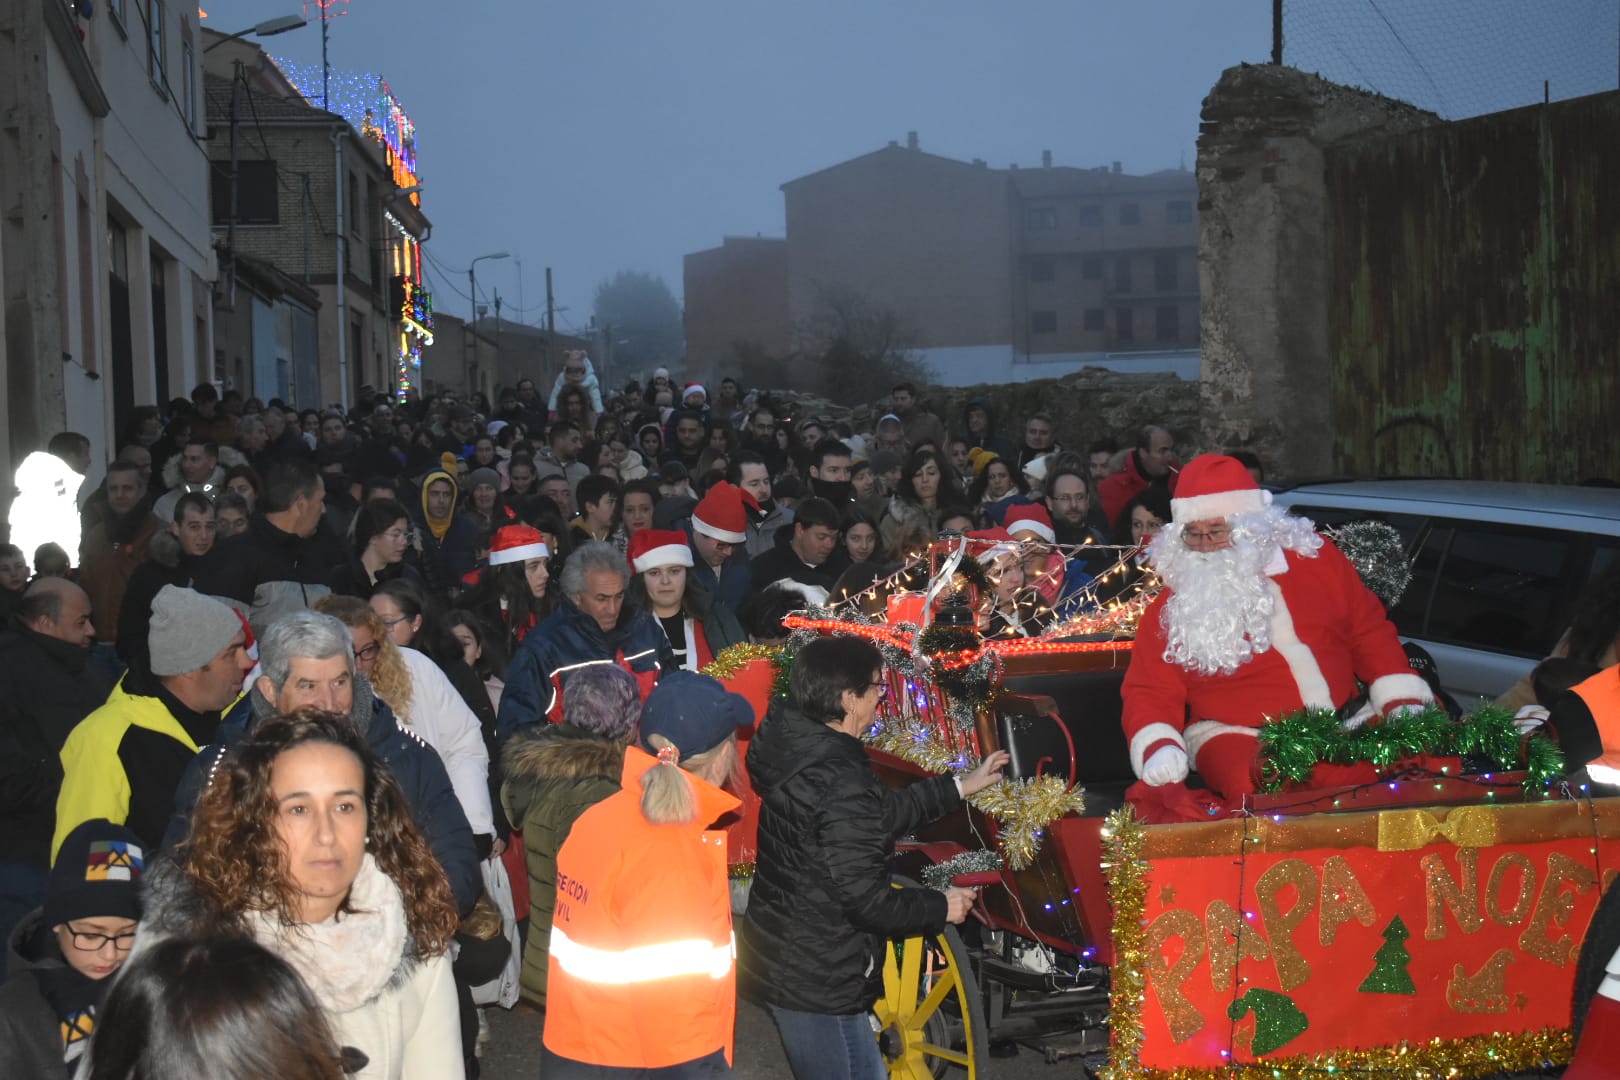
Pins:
x,y
1031,518
517,543
650,548
723,513
1216,486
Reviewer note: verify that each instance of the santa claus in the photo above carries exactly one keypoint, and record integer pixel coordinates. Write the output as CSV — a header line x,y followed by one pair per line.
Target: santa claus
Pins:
x,y
1259,616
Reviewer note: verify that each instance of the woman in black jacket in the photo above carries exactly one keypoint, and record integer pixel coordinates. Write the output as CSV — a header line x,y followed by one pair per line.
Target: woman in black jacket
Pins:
x,y
822,906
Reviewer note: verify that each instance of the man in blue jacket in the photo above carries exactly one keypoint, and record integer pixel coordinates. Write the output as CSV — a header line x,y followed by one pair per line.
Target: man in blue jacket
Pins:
x,y
592,625
308,662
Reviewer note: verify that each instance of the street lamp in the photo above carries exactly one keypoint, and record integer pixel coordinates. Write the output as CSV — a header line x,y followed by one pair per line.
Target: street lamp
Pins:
x,y
269,28
472,294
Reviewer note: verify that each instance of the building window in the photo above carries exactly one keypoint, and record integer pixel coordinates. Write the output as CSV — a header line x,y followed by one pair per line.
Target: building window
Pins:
x,y
1042,268
1091,267
117,9
117,251
1124,327
188,83
1166,324
1164,273
1043,322
155,56
1091,214
1178,212
1041,219
1122,274
257,196
1130,213
1092,319
354,204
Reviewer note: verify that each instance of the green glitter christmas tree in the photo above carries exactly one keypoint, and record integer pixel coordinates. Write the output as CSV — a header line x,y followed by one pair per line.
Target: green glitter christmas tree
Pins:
x,y
1389,974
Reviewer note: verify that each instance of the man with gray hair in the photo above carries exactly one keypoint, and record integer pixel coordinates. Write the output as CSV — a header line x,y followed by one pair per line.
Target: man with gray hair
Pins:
x,y
307,662
592,625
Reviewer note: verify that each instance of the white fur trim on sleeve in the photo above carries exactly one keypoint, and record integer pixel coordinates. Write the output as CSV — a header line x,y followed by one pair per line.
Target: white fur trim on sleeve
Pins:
x,y
1149,735
1401,687
1308,678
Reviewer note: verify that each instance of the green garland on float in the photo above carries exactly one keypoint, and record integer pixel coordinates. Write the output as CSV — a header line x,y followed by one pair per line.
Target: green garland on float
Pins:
x,y
1292,745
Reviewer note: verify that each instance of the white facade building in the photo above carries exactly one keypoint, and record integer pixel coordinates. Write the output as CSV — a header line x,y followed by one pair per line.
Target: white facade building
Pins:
x,y
106,264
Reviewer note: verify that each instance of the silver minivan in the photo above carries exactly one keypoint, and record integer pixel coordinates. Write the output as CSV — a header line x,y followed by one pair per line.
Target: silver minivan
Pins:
x,y
1497,569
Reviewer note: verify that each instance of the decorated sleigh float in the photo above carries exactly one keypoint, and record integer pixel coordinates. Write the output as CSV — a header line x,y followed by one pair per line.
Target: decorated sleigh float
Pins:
x,y
1408,900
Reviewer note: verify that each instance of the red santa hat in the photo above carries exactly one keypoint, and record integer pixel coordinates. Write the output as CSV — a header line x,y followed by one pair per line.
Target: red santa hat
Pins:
x,y
650,548
992,544
723,513
1216,486
1032,518
517,543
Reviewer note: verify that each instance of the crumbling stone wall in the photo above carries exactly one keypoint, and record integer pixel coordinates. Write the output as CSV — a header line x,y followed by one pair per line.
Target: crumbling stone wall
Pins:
x,y
1262,260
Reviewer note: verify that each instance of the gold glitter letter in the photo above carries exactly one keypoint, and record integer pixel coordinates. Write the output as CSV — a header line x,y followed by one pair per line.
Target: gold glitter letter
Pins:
x,y
1167,978
1292,968
1343,899
1443,891
1514,915
1554,907
1228,935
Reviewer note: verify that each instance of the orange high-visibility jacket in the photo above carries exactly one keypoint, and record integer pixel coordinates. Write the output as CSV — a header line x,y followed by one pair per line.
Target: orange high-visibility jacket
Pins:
x,y
643,959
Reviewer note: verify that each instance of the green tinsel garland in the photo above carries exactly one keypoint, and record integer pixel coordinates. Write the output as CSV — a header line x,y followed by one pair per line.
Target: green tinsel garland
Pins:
x,y
1291,746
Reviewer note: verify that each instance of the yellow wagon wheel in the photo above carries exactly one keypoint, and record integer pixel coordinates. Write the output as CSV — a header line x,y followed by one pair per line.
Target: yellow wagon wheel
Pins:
x,y
930,1015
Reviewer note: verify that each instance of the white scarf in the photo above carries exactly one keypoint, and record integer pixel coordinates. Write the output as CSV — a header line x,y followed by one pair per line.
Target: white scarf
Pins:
x,y
348,960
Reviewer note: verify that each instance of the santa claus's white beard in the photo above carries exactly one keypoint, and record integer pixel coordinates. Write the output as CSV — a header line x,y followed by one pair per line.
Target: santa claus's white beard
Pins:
x,y
1221,602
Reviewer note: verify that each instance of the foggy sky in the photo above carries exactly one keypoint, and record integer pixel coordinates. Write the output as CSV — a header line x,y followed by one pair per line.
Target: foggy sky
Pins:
x,y
601,135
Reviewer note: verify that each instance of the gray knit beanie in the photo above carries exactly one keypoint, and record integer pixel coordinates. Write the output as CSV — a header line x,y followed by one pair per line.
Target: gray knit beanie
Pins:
x,y
188,630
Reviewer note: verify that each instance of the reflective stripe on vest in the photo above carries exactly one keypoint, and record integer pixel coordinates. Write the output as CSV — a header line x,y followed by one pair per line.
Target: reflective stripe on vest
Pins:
x,y
644,963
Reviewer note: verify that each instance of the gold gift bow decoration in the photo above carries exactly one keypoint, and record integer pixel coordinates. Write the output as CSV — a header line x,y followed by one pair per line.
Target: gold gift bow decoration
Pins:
x,y
1464,826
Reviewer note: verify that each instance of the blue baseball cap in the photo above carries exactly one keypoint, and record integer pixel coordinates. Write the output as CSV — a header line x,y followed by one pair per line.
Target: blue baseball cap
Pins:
x,y
692,711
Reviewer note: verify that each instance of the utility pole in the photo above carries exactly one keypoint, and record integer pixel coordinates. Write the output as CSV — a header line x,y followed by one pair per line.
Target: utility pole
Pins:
x,y
551,321
230,225
1276,32
521,309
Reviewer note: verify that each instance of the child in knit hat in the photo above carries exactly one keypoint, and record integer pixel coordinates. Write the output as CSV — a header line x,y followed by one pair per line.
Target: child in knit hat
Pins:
x,y
61,957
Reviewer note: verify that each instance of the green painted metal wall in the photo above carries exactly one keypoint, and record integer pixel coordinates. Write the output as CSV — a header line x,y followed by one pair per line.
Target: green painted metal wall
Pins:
x,y
1474,322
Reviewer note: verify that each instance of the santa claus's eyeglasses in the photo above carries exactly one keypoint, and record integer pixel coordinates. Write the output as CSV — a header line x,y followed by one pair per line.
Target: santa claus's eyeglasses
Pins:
x,y
1206,536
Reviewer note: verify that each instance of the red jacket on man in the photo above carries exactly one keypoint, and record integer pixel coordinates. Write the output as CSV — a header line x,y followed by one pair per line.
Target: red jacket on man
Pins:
x,y
1117,490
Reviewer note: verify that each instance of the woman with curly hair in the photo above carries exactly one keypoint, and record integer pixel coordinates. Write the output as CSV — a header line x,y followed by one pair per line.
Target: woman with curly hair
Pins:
x,y
304,843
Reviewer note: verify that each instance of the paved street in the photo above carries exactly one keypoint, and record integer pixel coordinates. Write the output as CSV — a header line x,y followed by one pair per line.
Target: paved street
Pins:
x,y
514,1051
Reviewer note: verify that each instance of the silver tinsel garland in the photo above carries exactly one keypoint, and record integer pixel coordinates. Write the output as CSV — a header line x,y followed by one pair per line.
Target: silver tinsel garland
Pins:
x,y
1379,556
939,875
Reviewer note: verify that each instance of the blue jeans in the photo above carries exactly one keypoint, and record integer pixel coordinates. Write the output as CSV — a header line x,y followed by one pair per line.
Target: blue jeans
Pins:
x,y
553,1067
824,1046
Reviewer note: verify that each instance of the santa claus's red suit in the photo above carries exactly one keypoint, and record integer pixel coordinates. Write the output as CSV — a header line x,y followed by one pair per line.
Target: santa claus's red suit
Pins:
x,y
1273,621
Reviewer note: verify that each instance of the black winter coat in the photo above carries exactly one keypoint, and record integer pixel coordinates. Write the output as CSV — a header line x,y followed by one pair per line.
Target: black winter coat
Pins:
x,y
46,688
822,907
30,1030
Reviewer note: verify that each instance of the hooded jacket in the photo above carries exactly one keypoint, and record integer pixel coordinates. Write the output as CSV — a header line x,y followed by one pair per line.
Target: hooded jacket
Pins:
x,y
46,688
567,639
292,570
447,543
822,906
554,773
590,384
996,443
30,1031
419,770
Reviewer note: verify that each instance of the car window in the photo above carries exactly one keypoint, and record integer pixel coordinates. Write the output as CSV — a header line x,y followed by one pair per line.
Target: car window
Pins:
x,y
1408,613
1497,587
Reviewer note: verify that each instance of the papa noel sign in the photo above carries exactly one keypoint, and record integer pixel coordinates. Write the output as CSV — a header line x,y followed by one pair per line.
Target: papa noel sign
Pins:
x,y
1268,939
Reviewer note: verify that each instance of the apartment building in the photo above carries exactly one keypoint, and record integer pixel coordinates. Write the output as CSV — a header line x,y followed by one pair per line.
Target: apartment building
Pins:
x,y
105,261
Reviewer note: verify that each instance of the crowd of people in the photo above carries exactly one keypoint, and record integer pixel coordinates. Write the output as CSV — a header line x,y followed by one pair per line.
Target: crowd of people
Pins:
x,y
357,723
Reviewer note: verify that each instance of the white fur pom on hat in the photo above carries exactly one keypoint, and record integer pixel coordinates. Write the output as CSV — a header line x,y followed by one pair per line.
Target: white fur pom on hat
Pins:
x,y
1216,486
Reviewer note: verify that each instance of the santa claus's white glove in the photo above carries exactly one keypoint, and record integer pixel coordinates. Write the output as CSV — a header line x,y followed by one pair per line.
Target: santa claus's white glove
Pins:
x,y
1359,717
1168,765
